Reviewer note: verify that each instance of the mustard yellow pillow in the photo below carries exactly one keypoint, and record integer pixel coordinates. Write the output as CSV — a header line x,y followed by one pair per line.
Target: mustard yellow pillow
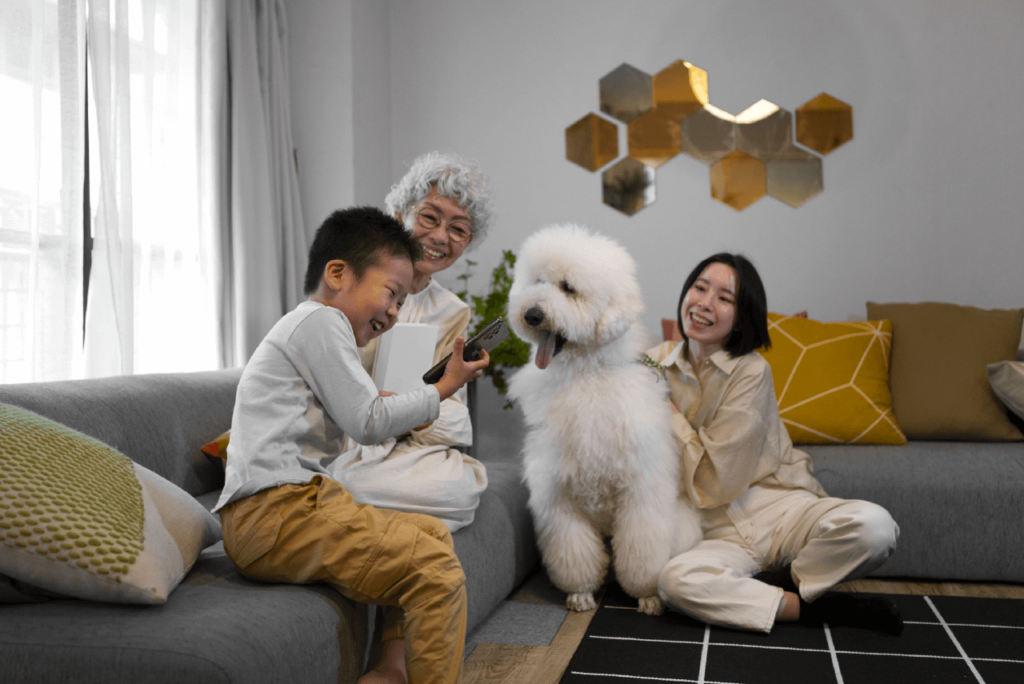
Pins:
x,y
832,380
939,370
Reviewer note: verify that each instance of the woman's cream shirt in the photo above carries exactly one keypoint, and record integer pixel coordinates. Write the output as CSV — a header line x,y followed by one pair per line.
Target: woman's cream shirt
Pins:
x,y
728,428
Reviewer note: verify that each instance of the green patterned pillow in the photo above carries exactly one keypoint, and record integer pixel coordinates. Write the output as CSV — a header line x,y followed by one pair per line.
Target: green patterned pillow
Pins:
x,y
80,519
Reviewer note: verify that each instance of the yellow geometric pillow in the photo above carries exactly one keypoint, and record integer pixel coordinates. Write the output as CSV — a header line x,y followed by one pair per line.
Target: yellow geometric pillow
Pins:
x,y
80,519
832,380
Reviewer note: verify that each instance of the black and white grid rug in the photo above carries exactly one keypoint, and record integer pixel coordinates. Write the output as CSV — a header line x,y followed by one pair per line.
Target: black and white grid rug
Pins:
x,y
945,639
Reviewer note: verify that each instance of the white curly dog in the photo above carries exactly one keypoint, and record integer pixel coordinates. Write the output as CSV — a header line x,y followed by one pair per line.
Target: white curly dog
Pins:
x,y
599,457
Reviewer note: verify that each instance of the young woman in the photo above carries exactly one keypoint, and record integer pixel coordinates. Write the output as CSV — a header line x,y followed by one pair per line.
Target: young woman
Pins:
x,y
762,509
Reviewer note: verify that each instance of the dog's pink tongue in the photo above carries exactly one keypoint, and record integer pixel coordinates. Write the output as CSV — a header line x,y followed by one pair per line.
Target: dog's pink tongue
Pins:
x,y
545,350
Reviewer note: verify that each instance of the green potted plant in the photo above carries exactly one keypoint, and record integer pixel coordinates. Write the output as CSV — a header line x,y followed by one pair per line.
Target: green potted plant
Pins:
x,y
513,352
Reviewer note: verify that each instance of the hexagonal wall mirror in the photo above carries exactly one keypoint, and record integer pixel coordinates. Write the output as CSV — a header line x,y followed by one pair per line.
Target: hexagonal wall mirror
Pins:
x,y
680,89
763,130
592,142
625,93
824,123
628,186
749,155
738,180
708,134
653,137
793,176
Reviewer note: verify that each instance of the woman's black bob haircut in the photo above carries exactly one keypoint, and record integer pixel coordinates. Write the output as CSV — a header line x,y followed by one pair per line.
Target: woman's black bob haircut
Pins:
x,y
750,330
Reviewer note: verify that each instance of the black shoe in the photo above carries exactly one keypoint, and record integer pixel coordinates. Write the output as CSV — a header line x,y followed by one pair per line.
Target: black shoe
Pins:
x,y
853,610
781,577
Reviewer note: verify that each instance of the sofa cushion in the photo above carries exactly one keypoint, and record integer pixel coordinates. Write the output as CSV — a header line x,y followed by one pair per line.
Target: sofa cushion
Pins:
x,y
1007,380
499,550
79,519
217,627
958,504
217,449
940,352
832,380
159,420
220,627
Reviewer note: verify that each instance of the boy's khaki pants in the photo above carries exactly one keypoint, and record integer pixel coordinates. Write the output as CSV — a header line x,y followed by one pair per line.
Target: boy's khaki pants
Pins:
x,y
316,532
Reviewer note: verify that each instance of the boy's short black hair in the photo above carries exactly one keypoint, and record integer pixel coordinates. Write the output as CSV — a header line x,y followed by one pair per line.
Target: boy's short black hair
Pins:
x,y
750,330
358,236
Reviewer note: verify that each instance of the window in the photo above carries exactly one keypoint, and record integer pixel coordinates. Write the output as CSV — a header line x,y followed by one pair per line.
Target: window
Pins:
x,y
40,226
151,268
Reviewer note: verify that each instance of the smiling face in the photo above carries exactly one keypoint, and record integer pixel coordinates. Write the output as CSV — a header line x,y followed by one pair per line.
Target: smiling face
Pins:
x,y
708,311
436,220
370,302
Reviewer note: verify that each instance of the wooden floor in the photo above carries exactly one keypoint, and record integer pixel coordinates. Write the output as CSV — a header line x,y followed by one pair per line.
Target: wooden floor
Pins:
x,y
511,664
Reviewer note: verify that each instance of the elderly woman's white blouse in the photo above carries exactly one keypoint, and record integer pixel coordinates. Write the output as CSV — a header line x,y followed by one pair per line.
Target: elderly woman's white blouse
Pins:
x,y
728,428
421,473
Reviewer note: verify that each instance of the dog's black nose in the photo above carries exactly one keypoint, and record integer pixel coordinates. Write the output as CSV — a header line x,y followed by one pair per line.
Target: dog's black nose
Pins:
x,y
533,316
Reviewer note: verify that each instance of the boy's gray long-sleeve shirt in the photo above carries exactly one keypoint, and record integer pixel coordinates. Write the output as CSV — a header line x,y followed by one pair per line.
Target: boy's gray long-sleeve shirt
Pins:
x,y
302,392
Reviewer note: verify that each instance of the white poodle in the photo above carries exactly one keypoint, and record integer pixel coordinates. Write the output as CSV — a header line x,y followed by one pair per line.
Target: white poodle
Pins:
x,y
599,456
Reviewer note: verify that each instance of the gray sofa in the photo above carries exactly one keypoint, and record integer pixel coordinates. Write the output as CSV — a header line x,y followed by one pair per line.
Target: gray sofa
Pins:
x,y
218,626
959,504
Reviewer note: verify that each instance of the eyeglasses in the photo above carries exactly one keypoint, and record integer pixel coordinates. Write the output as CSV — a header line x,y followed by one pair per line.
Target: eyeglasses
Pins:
x,y
457,232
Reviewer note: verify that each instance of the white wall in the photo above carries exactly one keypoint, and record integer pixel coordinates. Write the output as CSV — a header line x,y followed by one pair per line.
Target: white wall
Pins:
x,y
340,70
925,203
321,83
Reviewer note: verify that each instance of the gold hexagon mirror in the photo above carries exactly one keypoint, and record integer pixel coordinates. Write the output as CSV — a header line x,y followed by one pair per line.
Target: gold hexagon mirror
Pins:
x,y
628,186
625,93
763,130
592,142
793,176
749,155
680,89
653,137
824,123
708,134
738,180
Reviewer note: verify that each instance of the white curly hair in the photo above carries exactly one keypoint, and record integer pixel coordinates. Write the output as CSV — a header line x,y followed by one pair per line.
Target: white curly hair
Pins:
x,y
455,178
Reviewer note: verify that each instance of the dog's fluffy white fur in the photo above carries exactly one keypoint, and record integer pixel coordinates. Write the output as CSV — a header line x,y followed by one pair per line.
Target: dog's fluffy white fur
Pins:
x,y
599,457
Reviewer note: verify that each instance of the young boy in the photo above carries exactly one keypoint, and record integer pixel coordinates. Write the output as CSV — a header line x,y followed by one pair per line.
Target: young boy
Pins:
x,y
304,389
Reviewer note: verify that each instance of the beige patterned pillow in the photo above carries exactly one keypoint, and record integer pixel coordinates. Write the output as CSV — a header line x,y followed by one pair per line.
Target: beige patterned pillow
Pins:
x,y
1007,380
80,519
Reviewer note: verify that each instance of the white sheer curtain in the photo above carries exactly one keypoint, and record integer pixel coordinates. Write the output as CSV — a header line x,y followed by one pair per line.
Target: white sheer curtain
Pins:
x,y
267,246
41,157
199,243
152,303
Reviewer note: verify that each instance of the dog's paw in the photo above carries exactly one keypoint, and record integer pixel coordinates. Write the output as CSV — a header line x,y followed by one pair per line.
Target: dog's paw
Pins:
x,y
581,602
651,605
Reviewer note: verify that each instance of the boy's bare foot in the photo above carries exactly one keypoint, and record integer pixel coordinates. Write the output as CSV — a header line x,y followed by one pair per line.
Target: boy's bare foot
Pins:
x,y
391,668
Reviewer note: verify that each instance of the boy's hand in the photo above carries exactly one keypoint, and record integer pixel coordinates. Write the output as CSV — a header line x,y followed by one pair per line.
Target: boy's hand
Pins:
x,y
459,371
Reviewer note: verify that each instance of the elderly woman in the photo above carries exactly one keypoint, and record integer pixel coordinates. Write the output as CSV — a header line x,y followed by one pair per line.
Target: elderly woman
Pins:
x,y
444,202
